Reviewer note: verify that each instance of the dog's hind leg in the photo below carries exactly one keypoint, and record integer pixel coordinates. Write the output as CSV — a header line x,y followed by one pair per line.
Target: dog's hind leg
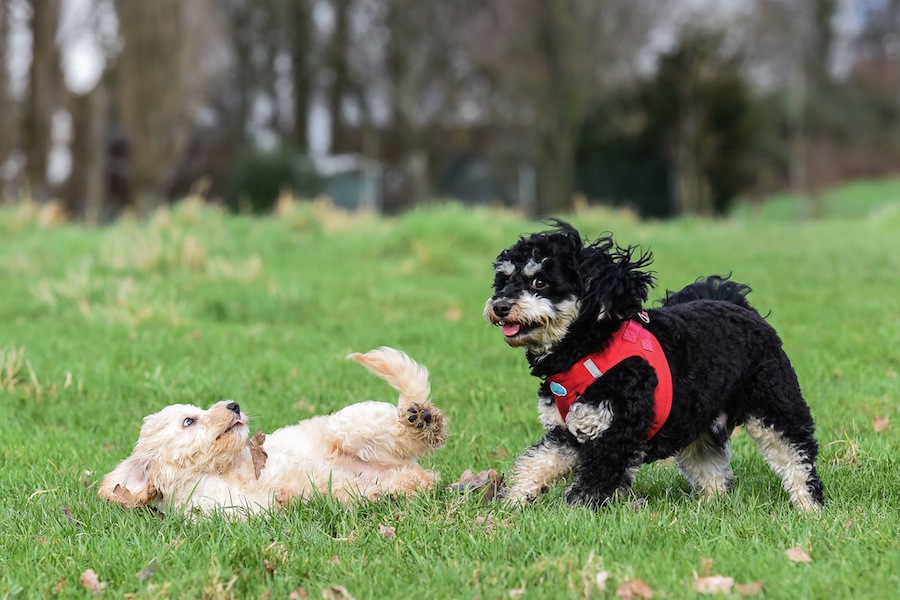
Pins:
x,y
706,463
782,426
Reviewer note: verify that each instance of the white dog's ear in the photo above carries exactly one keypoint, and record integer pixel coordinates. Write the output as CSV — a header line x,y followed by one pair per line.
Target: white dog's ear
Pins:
x,y
131,483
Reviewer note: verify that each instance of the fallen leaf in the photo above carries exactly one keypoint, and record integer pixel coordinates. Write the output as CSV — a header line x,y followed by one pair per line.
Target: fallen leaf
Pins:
x,y
336,592
748,589
387,532
601,579
879,424
69,516
298,594
797,554
706,566
125,497
335,560
91,582
62,583
490,480
148,572
269,567
714,584
634,589
257,454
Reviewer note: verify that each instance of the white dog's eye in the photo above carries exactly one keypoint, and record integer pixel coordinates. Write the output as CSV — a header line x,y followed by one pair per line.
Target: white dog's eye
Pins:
x,y
538,283
188,422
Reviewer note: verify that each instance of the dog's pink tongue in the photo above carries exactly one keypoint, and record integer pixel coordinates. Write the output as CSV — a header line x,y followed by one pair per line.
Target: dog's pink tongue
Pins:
x,y
511,329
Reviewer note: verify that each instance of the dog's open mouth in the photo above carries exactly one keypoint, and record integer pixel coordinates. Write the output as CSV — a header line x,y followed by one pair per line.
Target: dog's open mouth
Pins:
x,y
233,427
512,329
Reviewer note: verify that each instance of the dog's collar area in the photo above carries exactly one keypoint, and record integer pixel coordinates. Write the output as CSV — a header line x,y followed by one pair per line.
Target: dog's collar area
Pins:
x,y
631,339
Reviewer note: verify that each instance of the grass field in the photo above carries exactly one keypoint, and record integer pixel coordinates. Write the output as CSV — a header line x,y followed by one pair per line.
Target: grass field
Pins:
x,y
101,327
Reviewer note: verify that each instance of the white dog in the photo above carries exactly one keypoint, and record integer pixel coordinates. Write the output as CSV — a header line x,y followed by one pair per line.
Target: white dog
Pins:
x,y
193,460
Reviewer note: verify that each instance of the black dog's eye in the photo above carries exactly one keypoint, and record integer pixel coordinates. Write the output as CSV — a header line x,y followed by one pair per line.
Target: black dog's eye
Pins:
x,y
538,283
188,422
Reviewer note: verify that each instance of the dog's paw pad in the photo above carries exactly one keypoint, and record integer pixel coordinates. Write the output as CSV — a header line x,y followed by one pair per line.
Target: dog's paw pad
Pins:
x,y
418,416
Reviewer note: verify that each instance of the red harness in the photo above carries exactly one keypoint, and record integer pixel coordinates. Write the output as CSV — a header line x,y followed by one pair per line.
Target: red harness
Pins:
x,y
630,340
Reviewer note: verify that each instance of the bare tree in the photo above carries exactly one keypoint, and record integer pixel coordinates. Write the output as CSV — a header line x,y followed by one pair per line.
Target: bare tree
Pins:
x,y
549,61
7,106
161,79
792,43
44,91
301,45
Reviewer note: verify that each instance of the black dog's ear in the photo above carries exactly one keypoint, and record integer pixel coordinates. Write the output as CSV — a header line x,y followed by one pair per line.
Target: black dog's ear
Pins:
x,y
614,278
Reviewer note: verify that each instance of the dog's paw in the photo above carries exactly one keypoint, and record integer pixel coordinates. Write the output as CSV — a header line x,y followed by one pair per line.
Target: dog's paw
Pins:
x,y
578,495
418,416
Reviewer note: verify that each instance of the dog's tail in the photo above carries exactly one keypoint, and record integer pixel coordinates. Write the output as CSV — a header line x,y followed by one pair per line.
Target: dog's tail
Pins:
x,y
714,287
403,373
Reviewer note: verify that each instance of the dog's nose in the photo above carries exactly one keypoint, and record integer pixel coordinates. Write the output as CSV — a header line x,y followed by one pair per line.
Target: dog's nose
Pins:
x,y
234,407
502,308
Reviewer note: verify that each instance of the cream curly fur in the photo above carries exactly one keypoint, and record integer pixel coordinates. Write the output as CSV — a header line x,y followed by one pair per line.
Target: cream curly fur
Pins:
x,y
199,460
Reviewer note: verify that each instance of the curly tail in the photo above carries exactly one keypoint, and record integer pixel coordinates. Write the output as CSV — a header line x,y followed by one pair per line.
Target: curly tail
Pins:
x,y
714,287
403,373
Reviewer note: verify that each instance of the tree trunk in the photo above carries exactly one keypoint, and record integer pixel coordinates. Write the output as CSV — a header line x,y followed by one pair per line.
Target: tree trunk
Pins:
x,y
340,71
301,43
7,108
151,92
44,87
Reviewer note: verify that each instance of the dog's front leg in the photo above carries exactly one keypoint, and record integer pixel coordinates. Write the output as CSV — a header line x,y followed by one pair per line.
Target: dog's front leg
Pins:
x,y
542,465
605,467
610,423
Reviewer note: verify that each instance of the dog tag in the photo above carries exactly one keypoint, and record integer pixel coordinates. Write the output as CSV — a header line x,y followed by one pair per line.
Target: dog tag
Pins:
x,y
557,389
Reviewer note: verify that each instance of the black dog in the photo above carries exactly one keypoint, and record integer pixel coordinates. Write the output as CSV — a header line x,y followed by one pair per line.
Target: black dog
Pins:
x,y
622,386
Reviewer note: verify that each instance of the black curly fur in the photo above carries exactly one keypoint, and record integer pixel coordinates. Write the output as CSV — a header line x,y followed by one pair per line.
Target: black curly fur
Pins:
x,y
726,361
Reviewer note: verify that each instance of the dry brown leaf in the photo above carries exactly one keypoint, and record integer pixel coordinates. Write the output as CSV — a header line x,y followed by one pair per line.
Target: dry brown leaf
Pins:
x,y
706,566
879,424
797,554
257,454
125,498
62,583
634,589
69,516
148,572
714,584
91,582
336,592
387,532
268,567
490,480
298,594
748,589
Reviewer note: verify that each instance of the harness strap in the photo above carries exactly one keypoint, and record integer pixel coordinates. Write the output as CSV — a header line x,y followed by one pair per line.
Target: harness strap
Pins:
x,y
631,339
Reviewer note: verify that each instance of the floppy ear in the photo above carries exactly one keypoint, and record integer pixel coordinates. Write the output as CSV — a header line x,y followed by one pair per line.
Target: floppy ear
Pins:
x,y
614,279
131,484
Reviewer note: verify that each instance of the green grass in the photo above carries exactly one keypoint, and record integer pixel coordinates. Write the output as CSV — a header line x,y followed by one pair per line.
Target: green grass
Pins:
x,y
101,327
